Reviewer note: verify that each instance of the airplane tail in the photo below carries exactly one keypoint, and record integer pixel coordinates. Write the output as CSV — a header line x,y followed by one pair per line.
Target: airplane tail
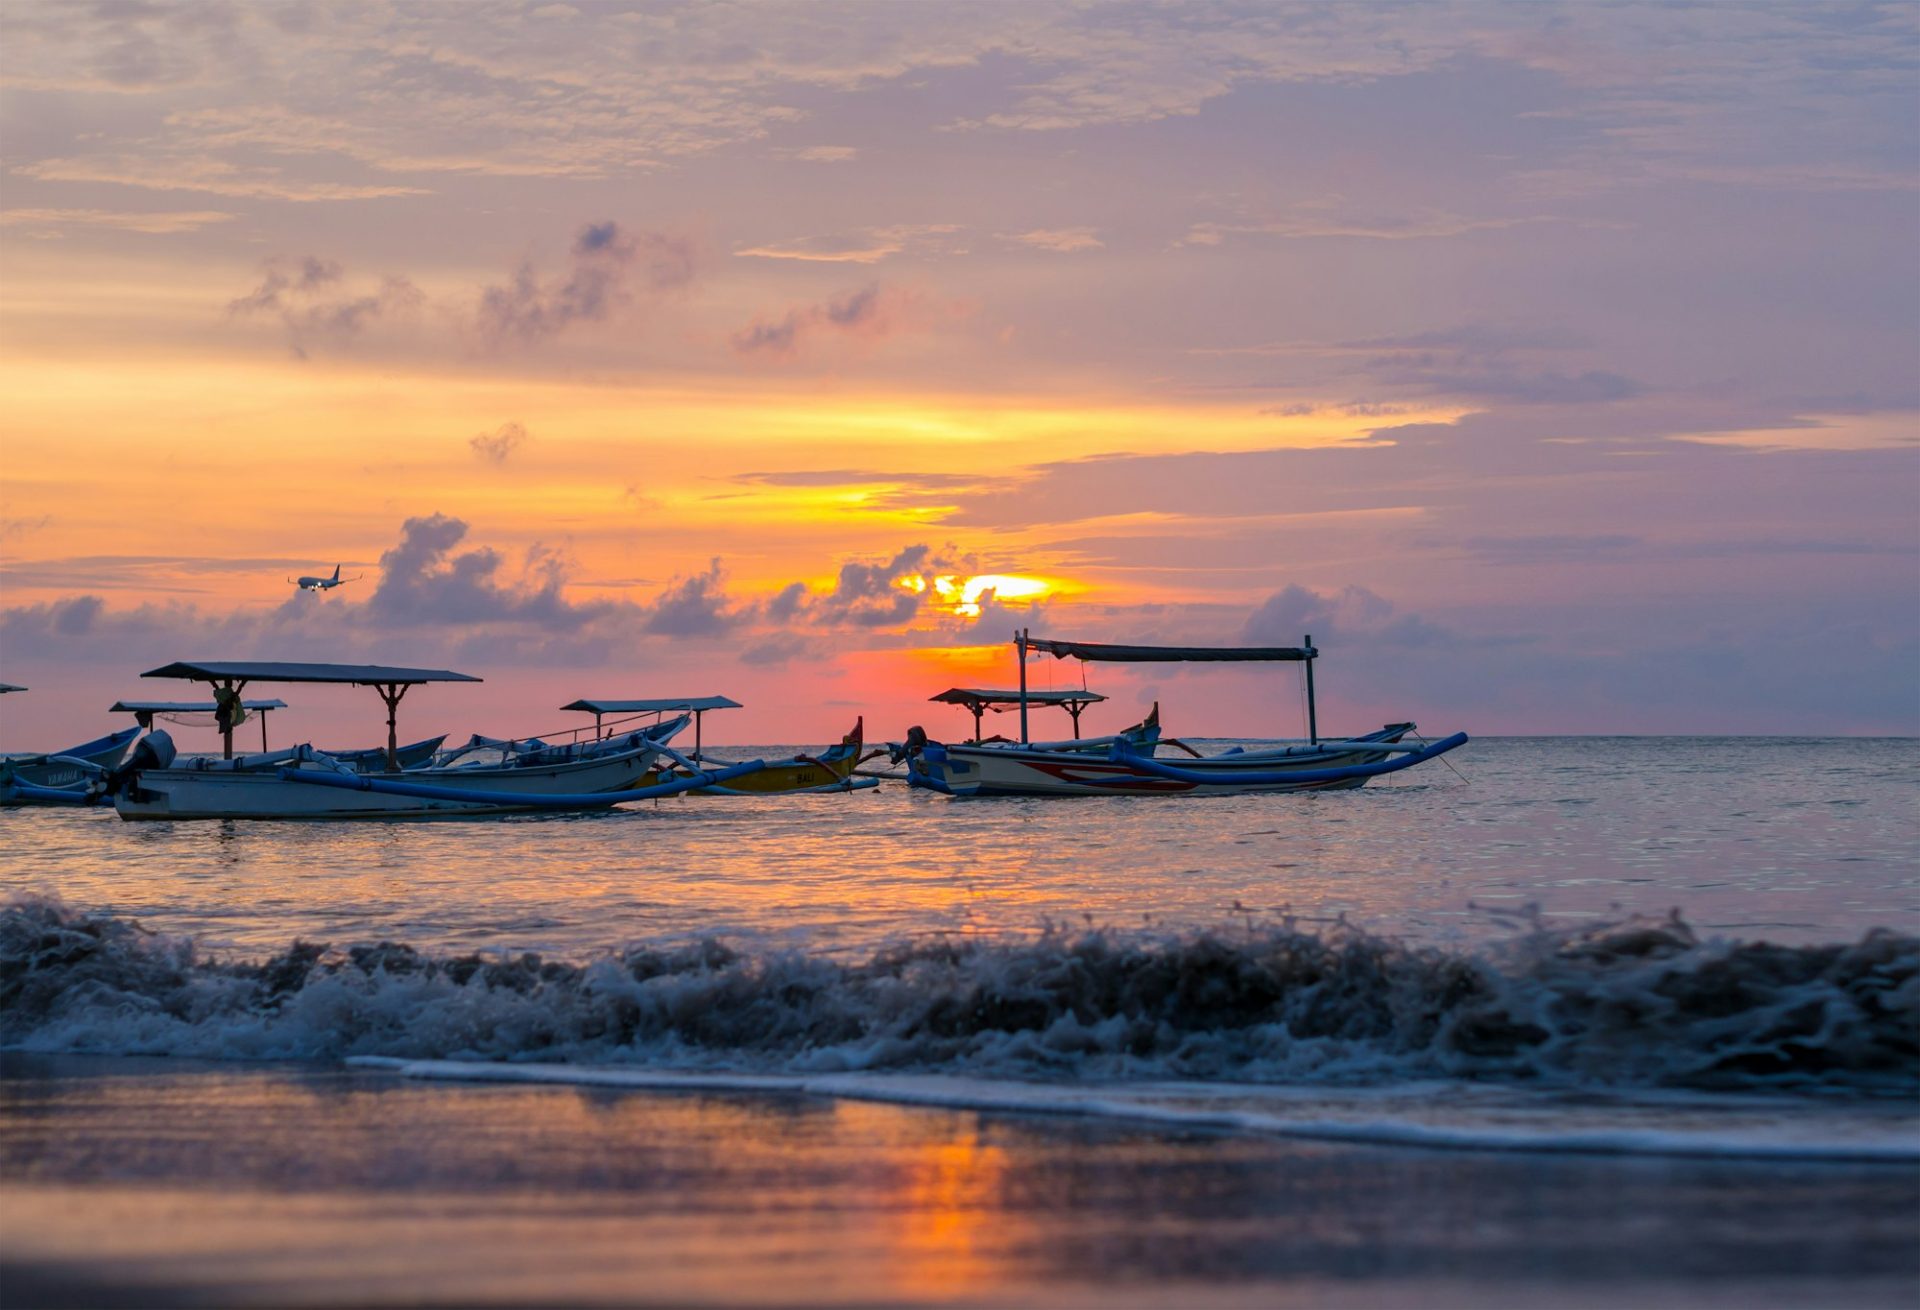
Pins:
x,y
336,573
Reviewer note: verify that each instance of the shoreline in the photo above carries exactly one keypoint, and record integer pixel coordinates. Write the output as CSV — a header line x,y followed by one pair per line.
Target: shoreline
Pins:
x,y
327,1186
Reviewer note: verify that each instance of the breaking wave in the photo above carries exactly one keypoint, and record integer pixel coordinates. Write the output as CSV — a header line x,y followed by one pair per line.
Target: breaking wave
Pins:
x,y
1642,1003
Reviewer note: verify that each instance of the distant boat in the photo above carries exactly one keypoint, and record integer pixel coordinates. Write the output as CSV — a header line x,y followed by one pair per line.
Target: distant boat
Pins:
x,y
1130,768
303,783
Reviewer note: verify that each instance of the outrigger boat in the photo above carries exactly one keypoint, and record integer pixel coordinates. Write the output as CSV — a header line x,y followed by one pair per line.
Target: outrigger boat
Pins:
x,y
25,778
829,771
1142,737
1130,769
303,783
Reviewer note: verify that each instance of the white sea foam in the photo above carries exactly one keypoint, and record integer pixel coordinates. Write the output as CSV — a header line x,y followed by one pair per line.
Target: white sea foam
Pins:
x,y
1540,1128
1634,1005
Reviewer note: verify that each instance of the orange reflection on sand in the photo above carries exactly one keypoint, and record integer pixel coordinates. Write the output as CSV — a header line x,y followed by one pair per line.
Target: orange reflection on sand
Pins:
x,y
952,1223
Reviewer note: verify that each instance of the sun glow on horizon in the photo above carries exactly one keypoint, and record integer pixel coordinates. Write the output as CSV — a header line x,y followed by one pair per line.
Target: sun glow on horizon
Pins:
x,y
962,597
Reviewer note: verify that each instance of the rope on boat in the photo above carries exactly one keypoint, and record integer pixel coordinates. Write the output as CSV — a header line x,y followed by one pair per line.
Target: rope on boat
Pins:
x,y
1415,733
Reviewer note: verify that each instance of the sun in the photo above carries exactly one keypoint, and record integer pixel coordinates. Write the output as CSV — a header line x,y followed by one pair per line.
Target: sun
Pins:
x,y
963,596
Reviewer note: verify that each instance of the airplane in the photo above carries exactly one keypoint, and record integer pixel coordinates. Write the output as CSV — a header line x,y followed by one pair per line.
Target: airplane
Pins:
x,y
323,584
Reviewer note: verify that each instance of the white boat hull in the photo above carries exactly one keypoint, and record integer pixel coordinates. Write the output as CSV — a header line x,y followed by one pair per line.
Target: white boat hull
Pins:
x,y
1014,771
264,794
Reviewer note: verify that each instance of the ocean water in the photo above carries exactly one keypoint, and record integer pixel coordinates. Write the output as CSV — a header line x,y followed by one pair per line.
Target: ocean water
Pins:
x,y
1677,953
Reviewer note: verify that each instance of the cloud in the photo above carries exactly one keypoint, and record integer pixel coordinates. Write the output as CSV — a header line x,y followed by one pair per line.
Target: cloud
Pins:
x,y
1060,240
1349,616
20,525
151,222
495,446
885,594
1475,361
1415,225
1593,387
867,595
285,276
299,292
780,649
1474,340
145,573
607,266
872,313
787,603
820,154
213,176
424,582
76,617
867,245
694,606
1562,550
440,599
857,478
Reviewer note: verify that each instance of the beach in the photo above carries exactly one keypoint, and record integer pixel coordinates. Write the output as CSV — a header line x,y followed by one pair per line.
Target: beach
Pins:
x,y
156,1183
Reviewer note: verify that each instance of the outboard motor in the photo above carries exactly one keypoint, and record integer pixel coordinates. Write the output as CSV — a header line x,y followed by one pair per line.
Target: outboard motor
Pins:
x,y
915,743
153,751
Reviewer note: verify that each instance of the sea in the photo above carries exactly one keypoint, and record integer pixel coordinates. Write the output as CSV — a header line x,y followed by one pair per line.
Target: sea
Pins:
x,y
1548,1021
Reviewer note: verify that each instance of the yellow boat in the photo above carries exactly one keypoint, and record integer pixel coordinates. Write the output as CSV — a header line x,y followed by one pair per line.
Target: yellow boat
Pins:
x,y
831,770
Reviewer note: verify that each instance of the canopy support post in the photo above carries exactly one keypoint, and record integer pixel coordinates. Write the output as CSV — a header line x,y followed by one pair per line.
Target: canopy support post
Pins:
x,y
978,731
224,706
1074,709
698,716
391,692
263,732
1020,645
1313,718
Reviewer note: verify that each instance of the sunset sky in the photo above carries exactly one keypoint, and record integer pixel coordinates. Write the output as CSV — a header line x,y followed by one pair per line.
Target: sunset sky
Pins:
x,y
1554,366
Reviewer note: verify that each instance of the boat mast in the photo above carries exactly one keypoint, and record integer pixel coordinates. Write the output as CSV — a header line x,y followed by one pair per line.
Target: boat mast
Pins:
x,y
1020,644
1313,720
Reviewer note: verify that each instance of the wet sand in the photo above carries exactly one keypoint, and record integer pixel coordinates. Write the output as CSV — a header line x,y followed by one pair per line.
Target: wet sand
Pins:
x,y
154,1183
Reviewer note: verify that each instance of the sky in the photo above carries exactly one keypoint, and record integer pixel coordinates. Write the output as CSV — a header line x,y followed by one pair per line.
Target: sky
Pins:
x,y
1555,366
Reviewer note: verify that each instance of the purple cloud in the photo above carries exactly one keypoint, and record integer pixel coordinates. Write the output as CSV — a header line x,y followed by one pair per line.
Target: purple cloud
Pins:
x,y
608,267
299,292
495,446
